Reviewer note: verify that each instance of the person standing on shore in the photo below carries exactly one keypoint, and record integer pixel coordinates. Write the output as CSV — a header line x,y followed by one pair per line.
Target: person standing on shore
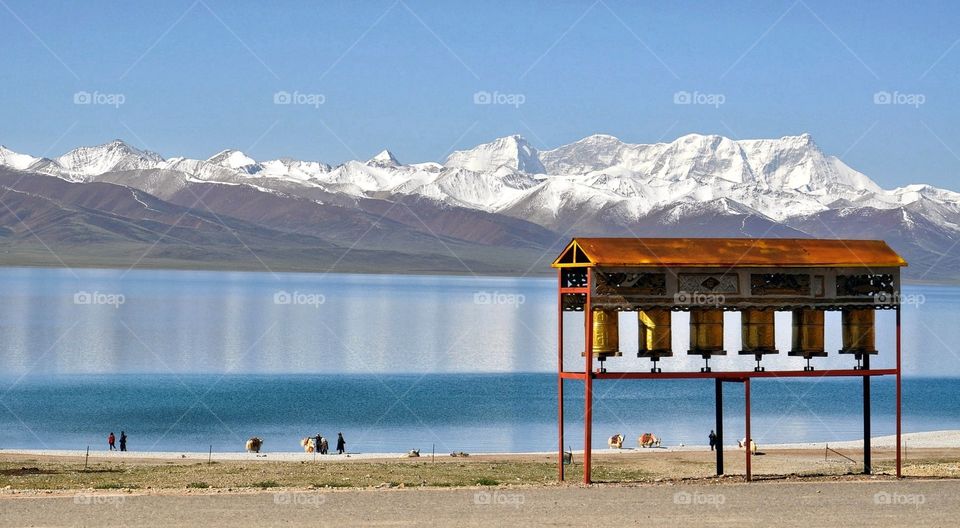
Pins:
x,y
111,440
713,439
123,441
316,444
341,444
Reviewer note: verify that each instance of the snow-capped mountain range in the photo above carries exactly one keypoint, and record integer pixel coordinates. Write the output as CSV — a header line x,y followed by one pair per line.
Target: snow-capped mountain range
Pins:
x,y
597,185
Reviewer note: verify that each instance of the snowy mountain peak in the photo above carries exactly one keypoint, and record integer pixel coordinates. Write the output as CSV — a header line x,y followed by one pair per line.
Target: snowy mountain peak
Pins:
x,y
233,159
122,147
15,160
512,152
602,137
384,159
592,153
113,156
797,163
597,176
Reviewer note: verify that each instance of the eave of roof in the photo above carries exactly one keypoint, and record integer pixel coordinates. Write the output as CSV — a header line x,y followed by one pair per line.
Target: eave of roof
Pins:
x,y
730,253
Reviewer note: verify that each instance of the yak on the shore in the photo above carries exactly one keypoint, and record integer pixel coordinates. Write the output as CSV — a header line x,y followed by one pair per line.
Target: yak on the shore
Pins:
x,y
753,446
254,444
309,444
648,440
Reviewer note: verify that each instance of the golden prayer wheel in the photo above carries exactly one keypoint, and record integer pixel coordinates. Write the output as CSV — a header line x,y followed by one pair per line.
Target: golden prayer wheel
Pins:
x,y
859,334
757,332
606,334
807,333
706,333
656,339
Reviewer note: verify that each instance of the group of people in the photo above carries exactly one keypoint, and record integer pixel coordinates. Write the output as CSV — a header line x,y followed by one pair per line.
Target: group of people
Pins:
x,y
112,441
322,446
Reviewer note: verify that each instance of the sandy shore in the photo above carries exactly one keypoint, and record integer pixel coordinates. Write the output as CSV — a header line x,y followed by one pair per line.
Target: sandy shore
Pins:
x,y
947,439
32,472
795,485
928,439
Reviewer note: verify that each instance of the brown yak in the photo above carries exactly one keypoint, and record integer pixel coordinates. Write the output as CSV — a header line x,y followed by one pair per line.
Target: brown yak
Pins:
x,y
254,444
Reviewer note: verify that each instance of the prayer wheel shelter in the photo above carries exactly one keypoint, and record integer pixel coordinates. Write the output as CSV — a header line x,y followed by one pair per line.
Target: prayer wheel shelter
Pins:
x,y
656,277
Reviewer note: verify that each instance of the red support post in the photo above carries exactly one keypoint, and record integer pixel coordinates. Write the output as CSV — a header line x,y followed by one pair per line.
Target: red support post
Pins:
x,y
560,466
899,461
588,381
746,394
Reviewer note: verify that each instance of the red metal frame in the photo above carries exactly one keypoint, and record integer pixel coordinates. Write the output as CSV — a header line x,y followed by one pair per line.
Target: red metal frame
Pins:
x,y
733,374
560,372
588,383
749,440
588,375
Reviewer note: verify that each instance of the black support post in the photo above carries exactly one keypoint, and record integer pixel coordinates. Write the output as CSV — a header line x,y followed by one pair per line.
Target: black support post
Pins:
x,y
866,417
719,426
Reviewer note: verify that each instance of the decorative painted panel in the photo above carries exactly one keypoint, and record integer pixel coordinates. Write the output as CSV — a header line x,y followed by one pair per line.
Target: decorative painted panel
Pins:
x,y
709,283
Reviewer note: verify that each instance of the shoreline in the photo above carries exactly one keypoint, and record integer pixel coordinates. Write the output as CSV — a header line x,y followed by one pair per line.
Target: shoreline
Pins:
x,y
198,267
34,473
944,439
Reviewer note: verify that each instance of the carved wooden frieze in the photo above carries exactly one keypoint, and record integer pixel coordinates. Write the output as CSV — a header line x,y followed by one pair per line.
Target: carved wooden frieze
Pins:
x,y
779,284
865,285
708,283
574,277
573,302
631,284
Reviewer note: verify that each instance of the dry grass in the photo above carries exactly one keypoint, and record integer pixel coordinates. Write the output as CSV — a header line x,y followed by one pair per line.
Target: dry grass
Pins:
x,y
56,475
52,473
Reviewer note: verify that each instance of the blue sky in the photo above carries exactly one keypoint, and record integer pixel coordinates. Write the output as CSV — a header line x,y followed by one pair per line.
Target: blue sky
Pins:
x,y
195,77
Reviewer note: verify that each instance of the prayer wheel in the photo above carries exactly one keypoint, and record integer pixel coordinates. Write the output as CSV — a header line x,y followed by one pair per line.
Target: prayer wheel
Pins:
x,y
656,339
807,333
859,332
706,333
757,332
606,334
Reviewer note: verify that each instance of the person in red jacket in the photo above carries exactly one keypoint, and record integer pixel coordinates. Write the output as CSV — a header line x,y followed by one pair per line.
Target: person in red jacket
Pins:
x,y
112,441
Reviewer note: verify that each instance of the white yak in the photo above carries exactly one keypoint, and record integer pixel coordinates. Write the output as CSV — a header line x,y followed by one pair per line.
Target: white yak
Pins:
x,y
753,445
309,444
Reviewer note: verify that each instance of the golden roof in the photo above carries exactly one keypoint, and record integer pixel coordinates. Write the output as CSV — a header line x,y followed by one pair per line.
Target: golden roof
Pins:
x,y
728,253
